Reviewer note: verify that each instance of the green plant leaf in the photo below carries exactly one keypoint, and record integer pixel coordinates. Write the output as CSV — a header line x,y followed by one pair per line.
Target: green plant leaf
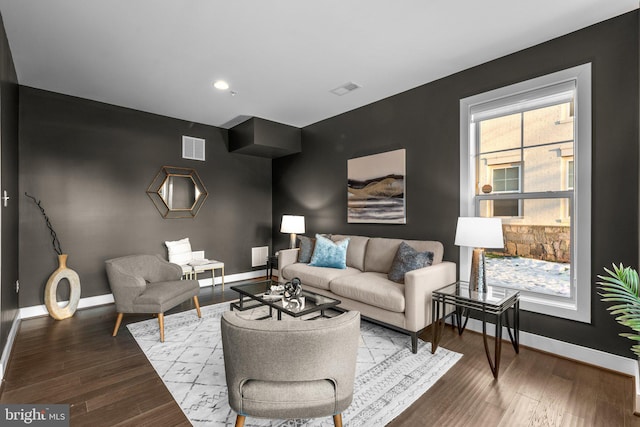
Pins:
x,y
620,286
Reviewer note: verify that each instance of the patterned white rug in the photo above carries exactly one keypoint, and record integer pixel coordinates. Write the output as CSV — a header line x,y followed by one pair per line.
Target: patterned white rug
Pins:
x,y
389,378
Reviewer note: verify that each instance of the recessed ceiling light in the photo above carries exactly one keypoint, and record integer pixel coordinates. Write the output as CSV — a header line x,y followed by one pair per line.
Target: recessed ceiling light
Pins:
x,y
221,85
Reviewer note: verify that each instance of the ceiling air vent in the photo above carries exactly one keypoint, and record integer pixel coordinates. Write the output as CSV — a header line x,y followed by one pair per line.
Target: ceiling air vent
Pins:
x,y
192,148
345,88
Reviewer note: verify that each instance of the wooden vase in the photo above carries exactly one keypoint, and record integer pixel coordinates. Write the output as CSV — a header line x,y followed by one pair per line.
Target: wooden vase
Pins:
x,y
50,290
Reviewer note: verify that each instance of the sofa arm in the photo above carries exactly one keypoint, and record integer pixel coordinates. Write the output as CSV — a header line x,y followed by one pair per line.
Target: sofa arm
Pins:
x,y
417,294
287,257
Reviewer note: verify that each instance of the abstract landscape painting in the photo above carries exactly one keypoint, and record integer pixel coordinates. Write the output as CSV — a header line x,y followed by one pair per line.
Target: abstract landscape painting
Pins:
x,y
376,188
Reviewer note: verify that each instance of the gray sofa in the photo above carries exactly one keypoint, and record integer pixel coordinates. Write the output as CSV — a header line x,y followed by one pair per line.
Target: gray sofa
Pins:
x,y
364,286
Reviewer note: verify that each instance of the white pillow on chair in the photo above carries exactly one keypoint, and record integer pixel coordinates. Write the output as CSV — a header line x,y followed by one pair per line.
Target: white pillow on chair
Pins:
x,y
180,251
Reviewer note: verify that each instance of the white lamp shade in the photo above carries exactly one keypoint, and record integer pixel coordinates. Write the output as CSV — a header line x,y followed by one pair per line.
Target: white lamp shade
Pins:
x,y
292,224
476,232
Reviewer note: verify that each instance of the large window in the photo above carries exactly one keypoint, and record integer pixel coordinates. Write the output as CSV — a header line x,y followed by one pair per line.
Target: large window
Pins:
x,y
526,157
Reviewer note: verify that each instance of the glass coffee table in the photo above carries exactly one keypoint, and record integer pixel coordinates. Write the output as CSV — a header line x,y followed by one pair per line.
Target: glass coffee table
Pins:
x,y
252,295
497,302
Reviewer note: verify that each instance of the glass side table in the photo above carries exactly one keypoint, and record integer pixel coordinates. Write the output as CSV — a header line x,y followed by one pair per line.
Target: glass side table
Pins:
x,y
495,302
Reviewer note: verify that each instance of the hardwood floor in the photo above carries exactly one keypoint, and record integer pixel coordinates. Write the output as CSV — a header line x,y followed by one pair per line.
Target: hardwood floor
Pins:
x,y
107,381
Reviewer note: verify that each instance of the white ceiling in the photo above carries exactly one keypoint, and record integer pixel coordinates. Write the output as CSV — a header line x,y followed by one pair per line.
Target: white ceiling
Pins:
x,y
281,57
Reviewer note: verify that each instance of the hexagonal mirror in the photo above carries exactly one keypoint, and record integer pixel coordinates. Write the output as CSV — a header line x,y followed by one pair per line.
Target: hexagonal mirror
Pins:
x,y
177,192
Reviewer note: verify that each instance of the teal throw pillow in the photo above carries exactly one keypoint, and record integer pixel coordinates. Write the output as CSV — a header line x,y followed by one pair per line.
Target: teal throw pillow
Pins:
x,y
408,259
329,254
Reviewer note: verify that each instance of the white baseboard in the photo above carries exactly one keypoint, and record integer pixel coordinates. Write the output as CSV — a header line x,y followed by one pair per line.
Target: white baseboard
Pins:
x,y
41,310
6,352
233,278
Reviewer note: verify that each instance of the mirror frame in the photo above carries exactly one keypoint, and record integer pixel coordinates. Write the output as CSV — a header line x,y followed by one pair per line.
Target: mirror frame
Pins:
x,y
166,172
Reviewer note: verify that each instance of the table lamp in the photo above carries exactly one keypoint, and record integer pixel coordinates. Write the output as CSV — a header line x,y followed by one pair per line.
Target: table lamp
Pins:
x,y
479,233
292,224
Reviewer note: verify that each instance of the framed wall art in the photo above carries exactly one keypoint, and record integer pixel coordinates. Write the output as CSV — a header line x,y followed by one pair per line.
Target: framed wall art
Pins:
x,y
376,188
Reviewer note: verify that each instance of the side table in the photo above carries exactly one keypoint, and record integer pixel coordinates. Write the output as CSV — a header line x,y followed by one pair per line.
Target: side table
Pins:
x,y
210,264
272,262
496,302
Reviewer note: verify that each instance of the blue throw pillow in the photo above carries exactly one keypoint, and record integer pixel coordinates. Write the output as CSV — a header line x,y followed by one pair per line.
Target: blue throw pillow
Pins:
x,y
329,254
408,259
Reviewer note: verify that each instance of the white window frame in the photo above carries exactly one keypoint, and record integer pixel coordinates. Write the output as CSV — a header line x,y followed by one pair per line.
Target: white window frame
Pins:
x,y
578,307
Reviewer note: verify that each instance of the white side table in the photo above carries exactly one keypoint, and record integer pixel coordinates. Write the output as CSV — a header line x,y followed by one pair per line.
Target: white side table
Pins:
x,y
187,271
212,265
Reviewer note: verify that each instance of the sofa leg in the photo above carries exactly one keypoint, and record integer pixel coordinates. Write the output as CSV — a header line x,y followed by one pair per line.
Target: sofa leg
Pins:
x,y
414,342
240,420
161,324
337,420
118,321
197,304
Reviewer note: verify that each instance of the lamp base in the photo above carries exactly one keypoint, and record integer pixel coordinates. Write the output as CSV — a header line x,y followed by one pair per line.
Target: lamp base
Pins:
x,y
478,277
292,241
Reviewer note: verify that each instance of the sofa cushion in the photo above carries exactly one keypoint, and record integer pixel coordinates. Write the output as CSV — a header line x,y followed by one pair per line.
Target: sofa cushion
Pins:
x,y
329,254
371,288
306,248
318,277
381,251
355,251
408,259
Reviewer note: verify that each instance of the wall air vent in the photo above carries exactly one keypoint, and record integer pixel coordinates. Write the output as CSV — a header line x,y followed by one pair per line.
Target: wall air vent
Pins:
x,y
192,148
345,88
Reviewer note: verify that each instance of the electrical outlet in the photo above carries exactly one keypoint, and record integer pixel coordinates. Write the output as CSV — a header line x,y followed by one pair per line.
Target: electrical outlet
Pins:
x,y
17,286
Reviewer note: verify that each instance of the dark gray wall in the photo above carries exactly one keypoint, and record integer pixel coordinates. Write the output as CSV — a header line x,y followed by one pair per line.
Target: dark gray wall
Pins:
x,y
90,165
425,121
9,180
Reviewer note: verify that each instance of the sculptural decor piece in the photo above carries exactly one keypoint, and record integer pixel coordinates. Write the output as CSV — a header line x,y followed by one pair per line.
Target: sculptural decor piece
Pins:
x,y
62,272
293,293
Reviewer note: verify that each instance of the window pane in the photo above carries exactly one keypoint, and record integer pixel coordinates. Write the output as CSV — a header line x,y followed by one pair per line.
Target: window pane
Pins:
x,y
537,254
492,170
543,167
570,174
549,124
500,133
505,208
506,179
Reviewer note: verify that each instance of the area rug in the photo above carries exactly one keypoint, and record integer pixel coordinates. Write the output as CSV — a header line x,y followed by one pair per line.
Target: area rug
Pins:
x,y
389,378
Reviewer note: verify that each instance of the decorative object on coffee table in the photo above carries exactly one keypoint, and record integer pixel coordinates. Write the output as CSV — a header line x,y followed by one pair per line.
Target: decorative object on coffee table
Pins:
x,y
293,292
62,272
479,233
292,224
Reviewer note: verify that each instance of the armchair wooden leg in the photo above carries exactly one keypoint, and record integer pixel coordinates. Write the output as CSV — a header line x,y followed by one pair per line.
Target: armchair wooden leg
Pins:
x,y
161,324
118,321
240,420
337,420
197,303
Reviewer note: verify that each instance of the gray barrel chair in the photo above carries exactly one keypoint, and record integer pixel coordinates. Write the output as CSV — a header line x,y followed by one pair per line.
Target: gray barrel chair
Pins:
x,y
148,284
290,369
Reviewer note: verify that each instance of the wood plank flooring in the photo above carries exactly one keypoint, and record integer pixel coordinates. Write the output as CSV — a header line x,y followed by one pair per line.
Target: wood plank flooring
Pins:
x,y
109,382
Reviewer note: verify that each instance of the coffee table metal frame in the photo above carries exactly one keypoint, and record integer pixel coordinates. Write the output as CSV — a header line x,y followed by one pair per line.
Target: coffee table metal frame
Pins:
x,y
251,295
495,302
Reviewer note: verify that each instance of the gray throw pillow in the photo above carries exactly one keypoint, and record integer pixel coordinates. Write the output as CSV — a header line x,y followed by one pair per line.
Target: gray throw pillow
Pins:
x,y
408,259
306,249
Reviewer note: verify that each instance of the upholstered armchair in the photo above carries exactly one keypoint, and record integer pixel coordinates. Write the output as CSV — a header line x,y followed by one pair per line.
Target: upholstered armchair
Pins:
x,y
291,368
148,284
